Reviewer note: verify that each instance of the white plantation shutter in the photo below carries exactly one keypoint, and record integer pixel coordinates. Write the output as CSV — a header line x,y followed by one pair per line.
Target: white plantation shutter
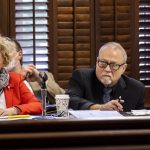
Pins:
x,y
32,31
144,41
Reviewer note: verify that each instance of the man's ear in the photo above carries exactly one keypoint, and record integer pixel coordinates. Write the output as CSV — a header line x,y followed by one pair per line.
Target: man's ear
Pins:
x,y
124,67
96,60
20,55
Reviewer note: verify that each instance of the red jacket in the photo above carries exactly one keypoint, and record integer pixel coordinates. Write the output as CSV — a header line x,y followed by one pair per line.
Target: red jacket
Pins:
x,y
17,94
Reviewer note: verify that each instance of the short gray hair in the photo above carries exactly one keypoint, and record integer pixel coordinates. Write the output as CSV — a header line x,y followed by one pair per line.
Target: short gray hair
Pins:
x,y
115,45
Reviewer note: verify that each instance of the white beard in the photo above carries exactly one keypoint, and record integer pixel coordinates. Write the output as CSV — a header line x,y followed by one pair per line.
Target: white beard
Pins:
x,y
11,66
106,80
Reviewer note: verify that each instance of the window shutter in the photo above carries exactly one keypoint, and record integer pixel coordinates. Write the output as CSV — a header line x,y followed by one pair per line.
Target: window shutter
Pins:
x,y
73,44
144,42
31,20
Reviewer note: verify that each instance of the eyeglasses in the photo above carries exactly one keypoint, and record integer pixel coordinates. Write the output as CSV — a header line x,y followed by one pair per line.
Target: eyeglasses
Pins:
x,y
113,66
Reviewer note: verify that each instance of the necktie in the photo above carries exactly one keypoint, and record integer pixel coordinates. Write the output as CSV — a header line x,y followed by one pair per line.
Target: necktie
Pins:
x,y
106,96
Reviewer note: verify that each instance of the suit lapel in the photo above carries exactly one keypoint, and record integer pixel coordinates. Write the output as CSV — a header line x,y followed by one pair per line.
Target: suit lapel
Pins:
x,y
97,90
119,89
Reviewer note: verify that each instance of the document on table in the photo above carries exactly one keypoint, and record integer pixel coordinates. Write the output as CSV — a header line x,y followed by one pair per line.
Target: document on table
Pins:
x,y
140,112
95,114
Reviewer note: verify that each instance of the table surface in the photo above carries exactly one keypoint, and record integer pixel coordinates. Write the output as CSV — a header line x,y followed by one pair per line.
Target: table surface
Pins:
x,y
61,133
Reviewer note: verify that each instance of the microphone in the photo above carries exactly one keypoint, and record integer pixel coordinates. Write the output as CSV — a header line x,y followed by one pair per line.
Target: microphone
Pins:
x,y
44,78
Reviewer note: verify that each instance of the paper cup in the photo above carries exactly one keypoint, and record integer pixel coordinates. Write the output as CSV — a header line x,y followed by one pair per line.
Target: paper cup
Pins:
x,y
62,102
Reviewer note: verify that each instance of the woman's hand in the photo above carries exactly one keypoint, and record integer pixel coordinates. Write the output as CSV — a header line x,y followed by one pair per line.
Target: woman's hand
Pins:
x,y
9,111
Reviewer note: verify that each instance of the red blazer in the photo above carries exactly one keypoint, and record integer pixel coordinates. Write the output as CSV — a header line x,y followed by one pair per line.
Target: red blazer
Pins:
x,y
17,94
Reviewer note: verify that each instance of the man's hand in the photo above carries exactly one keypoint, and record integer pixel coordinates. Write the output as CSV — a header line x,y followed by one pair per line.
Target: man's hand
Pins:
x,y
111,105
30,73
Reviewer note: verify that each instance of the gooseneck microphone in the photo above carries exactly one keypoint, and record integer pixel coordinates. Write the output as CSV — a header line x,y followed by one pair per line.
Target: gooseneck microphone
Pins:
x,y
43,77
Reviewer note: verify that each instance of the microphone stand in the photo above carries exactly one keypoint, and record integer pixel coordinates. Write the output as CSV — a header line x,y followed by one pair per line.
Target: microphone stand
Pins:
x,y
44,78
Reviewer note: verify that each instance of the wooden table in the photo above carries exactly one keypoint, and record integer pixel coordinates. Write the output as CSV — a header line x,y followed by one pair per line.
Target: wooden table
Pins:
x,y
75,134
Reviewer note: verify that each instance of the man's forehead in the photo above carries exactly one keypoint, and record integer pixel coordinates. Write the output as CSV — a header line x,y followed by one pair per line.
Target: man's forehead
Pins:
x,y
110,51
112,55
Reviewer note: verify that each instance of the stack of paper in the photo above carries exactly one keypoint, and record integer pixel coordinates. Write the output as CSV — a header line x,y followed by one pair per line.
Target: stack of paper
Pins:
x,y
95,114
140,112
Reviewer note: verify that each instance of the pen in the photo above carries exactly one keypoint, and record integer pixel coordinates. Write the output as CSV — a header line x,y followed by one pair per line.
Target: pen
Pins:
x,y
120,100
59,115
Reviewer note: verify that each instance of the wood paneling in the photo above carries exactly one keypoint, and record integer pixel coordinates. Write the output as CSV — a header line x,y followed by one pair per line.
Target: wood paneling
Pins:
x,y
4,17
73,32
114,22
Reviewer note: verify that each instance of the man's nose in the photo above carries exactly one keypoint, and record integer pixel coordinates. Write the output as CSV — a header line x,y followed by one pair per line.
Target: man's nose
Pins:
x,y
108,68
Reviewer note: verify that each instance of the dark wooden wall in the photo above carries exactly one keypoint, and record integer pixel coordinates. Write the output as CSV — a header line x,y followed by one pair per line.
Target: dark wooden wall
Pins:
x,y
4,17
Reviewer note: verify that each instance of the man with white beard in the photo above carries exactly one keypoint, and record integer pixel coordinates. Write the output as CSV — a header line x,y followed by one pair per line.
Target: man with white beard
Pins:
x,y
105,87
29,72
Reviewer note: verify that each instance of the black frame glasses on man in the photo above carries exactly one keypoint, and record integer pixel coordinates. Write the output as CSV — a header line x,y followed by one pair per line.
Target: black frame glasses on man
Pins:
x,y
113,66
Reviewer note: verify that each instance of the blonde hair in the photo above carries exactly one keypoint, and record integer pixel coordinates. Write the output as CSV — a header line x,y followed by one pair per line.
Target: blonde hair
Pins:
x,y
6,47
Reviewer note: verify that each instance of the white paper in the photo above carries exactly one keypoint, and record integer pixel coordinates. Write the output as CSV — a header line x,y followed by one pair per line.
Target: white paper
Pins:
x,y
95,114
140,112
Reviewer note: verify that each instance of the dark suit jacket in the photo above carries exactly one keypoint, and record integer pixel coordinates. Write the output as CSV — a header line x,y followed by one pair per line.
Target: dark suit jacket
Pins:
x,y
85,89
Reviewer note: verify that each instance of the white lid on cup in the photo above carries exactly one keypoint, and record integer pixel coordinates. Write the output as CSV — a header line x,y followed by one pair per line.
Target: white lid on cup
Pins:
x,y
62,96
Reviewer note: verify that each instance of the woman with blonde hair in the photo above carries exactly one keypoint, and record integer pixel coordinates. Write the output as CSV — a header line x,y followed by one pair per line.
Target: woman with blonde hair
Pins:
x,y
15,97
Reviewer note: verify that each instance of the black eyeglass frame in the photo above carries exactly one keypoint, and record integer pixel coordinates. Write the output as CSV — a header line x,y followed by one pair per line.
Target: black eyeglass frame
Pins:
x,y
112,66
